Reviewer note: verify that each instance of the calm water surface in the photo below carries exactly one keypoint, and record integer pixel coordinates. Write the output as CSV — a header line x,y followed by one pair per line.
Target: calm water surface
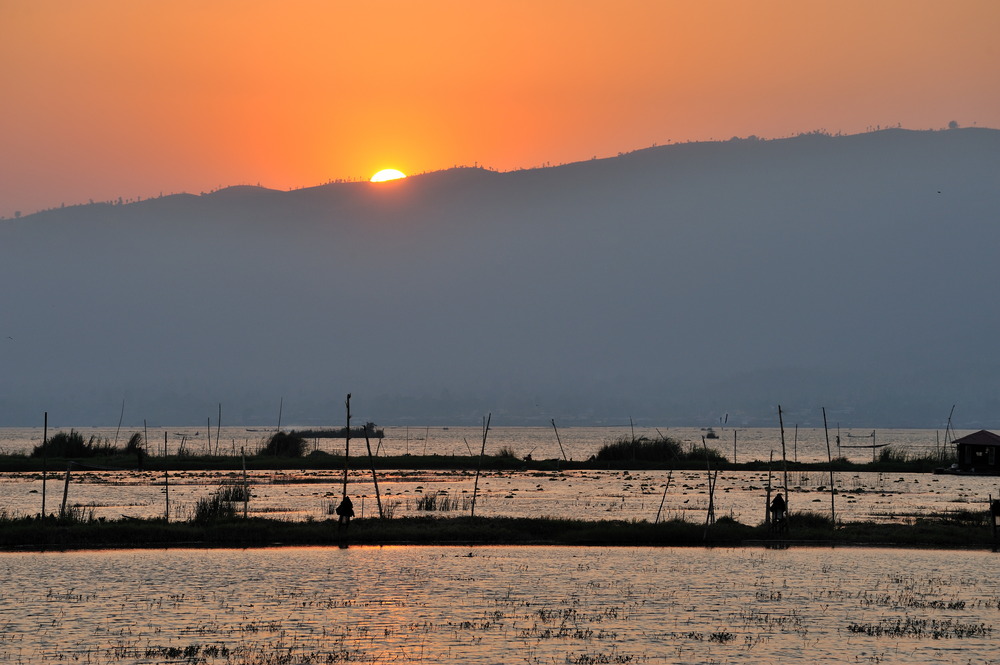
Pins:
x,y
500,605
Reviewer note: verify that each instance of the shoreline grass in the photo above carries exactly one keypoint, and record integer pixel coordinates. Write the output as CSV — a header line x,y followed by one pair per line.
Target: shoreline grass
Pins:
x,y
324,461
807,529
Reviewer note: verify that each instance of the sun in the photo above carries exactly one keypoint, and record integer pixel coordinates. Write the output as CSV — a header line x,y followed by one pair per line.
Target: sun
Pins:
x,y
387,174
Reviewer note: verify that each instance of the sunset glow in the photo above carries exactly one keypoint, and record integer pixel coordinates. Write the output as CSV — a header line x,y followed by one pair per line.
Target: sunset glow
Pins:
x,y
112,98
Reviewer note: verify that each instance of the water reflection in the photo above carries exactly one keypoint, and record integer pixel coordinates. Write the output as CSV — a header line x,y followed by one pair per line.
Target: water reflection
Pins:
x,y
499,604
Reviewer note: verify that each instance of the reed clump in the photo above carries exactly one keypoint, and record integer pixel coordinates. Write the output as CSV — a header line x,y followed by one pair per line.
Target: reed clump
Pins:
x,y
221,504
72,444
657,450
284,444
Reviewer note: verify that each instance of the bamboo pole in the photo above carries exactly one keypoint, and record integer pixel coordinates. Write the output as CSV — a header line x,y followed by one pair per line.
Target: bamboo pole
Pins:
x,y
563,452
166,477
479,466
795,444
246,485
670,476
218,429
993,522
710,516
45,458
281,405
120,419
347,442
371,460
734,443
62,510
784,463
829,457
767,506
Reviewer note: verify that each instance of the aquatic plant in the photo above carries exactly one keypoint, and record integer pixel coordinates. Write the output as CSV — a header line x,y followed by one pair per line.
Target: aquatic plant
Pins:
x,y
282,444
135,444
630,448
658,450
915,627
221,504
441,501
72,444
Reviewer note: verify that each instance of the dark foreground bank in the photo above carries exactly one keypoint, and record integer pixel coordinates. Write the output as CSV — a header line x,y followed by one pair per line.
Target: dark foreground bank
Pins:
x,y
31,533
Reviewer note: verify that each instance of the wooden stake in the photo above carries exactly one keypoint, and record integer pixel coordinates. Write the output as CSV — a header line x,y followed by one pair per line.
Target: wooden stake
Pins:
x,y
829,457
218,429
281,405
347,442
62,511
45,458
767,506
670,475
710,517
120,419
784,463
166,477
563,452
246,485
475,488
378,497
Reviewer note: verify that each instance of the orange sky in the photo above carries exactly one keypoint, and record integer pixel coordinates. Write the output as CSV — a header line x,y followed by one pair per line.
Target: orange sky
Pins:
x,y
117,98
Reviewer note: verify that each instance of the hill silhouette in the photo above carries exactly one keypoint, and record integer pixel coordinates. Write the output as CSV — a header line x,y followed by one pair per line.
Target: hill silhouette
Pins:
x,y
672,284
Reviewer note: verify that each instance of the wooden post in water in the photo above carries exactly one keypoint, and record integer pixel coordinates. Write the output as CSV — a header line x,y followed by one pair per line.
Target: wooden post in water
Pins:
x,y
347,443
45,458
62,511
734,445
246,485
371,459
166,477
795,444
829,457
710,517
670,475
479,466
218,429
784,464
767,506
563,452
994,518
120,419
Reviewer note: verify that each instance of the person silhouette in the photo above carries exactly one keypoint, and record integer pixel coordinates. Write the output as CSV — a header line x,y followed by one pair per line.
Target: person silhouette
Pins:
x,y
345,511
778,510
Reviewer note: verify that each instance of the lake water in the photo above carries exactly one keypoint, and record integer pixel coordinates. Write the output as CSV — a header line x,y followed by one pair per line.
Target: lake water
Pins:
x,y
595,494
485,605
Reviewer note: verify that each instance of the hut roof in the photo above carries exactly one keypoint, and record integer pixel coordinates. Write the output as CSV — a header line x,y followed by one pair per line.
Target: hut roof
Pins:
x,y
980,438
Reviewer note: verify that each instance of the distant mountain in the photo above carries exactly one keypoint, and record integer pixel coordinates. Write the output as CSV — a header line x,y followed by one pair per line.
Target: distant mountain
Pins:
x,y
671,285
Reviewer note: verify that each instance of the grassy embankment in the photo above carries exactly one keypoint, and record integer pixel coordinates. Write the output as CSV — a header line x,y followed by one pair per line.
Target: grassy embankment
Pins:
x,y
967,530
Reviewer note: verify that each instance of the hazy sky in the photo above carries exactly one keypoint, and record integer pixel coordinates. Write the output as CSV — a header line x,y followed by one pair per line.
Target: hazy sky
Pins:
x,y
117,98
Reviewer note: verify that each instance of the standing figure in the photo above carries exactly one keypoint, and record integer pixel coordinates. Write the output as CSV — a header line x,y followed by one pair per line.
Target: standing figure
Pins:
x,y
346,511
778,513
